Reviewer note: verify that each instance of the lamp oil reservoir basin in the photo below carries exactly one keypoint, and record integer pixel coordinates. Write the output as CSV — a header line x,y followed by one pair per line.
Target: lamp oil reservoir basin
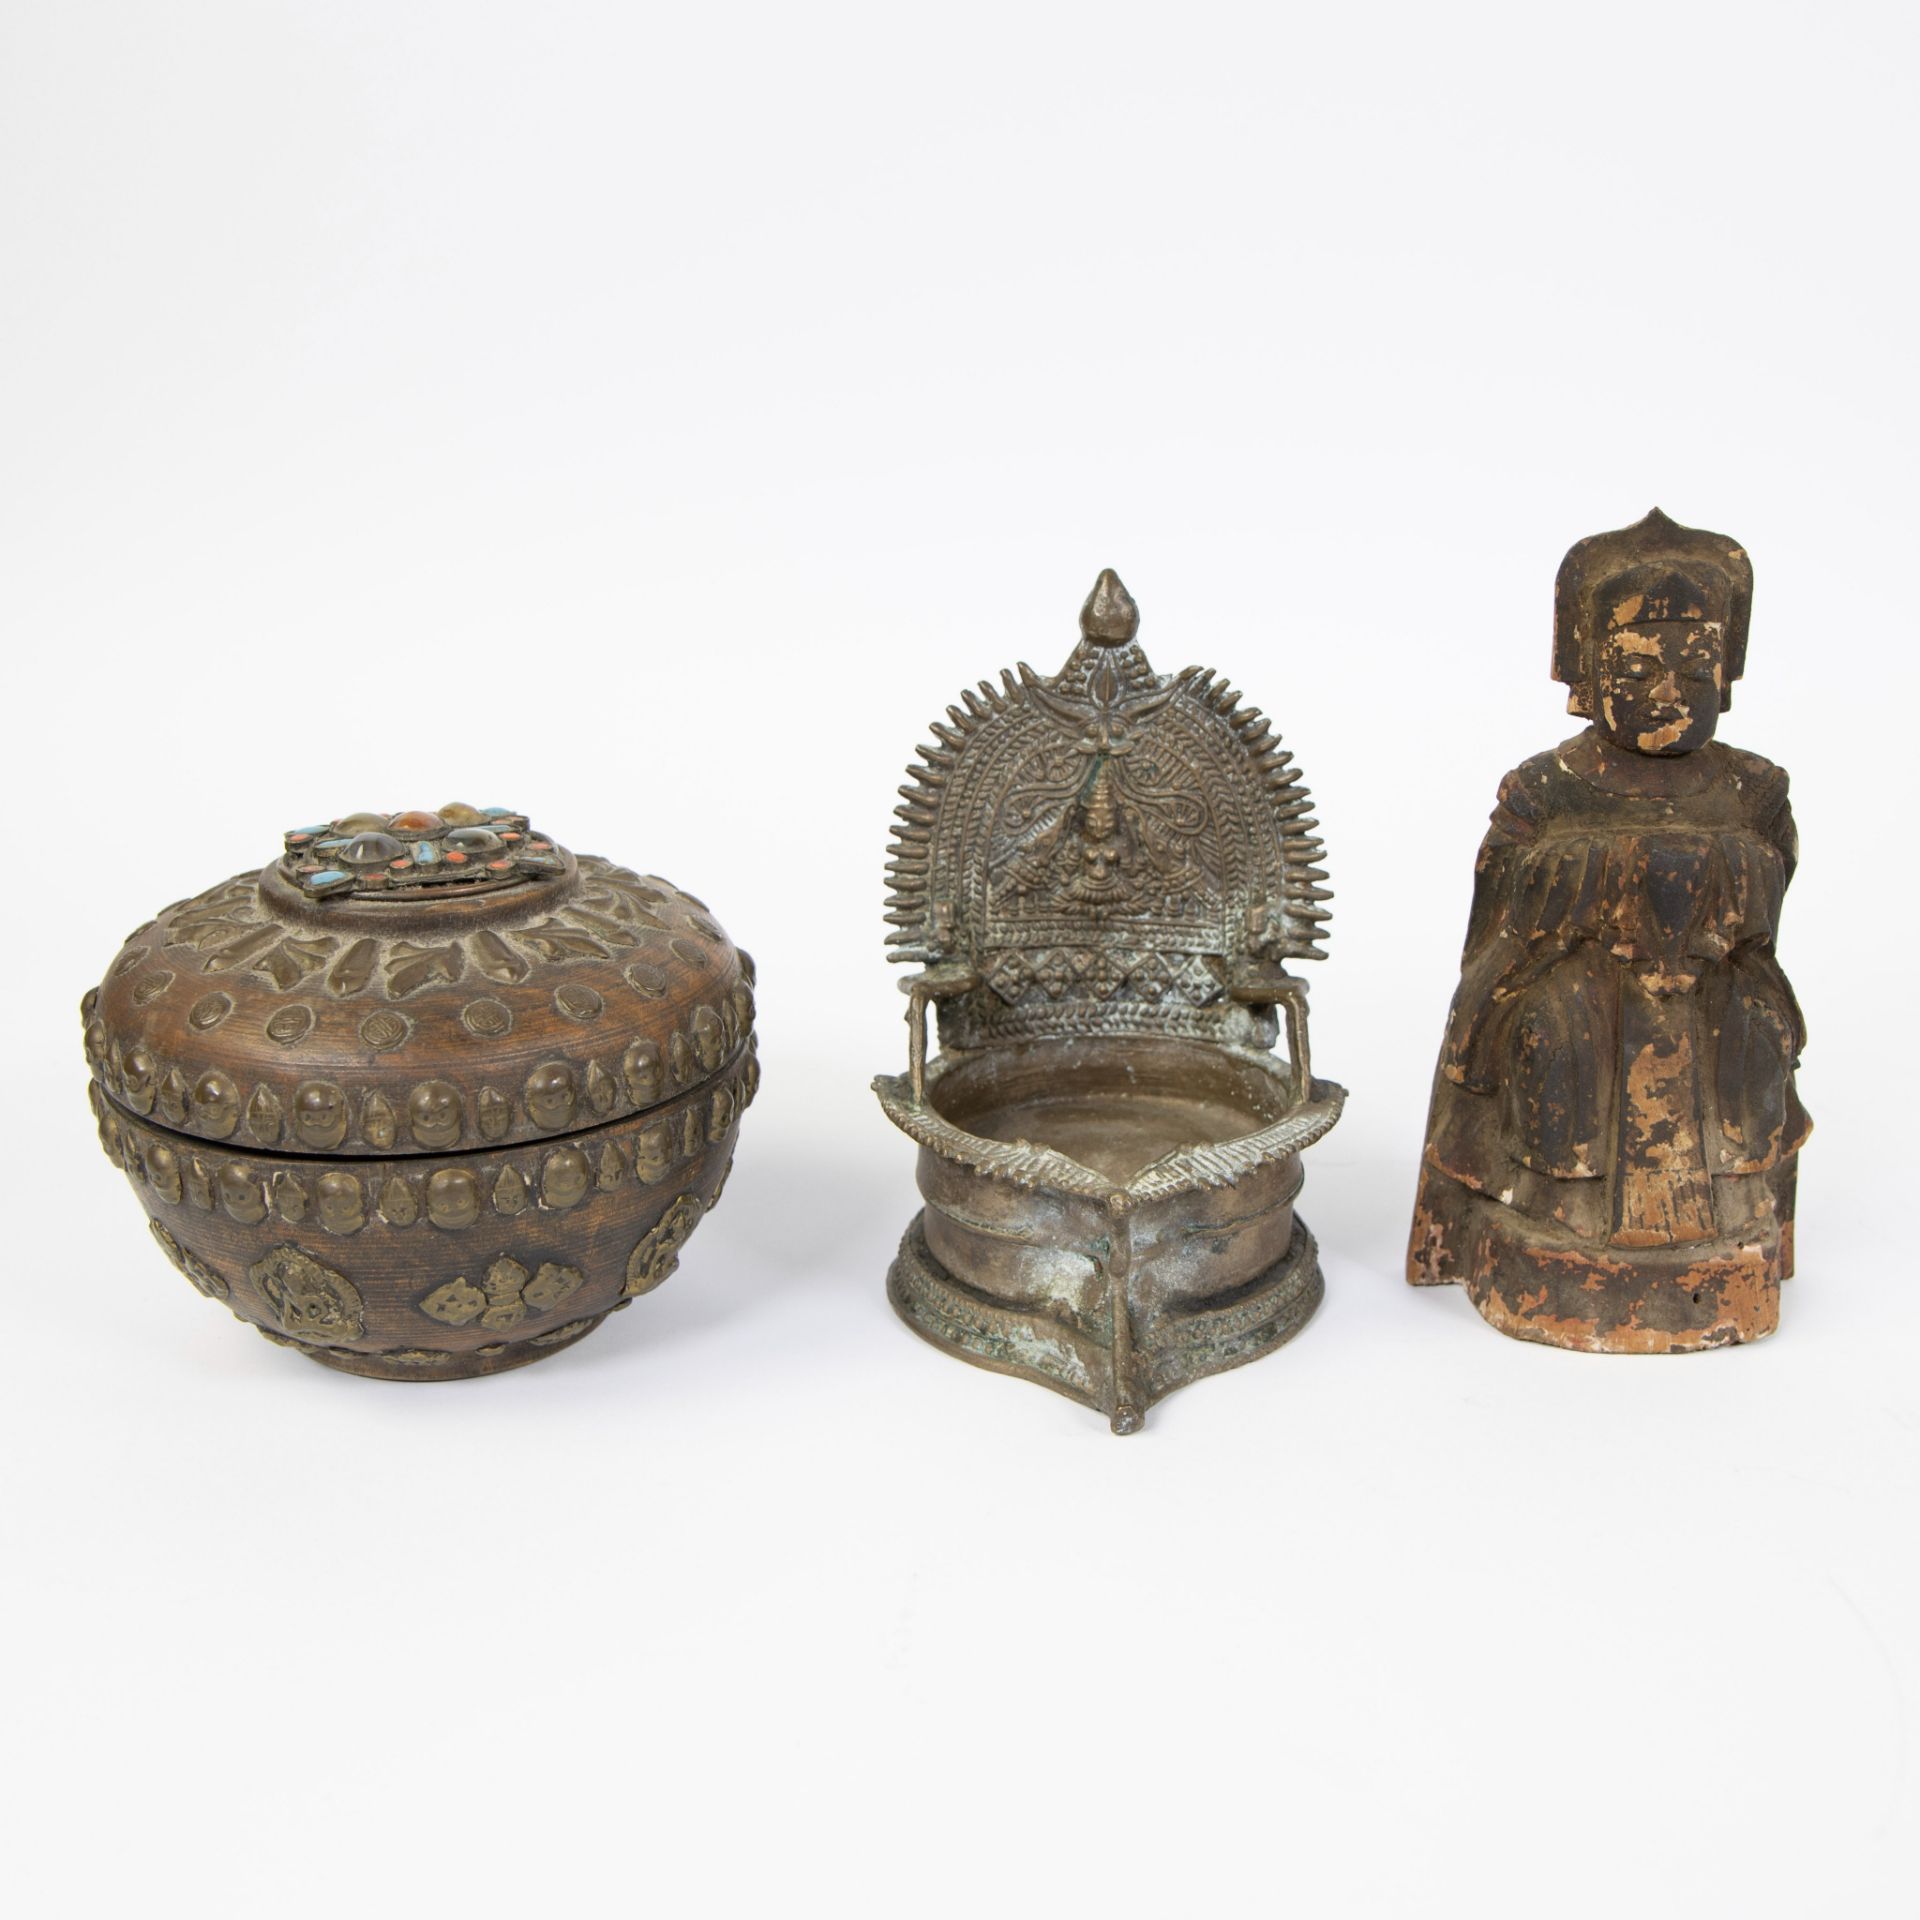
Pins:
x,y
428,1096
1104,874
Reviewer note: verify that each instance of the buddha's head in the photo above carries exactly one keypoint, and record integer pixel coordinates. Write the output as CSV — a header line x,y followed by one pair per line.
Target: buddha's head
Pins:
x,y
1650,633
1658,678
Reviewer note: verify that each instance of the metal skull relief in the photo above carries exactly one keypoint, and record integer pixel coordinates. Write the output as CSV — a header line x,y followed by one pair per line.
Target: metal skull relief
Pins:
x,y
415,1098
1612,1145
1105,872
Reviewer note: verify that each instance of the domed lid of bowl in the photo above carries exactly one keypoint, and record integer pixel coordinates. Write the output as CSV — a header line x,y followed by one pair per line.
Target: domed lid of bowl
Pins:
x,y
419,982
1105,850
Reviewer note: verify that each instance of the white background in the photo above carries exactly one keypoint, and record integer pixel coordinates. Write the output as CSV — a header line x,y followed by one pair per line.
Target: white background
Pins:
x,y
650,417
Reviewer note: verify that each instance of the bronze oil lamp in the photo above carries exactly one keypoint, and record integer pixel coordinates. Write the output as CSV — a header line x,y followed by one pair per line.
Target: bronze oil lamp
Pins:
x,y
1612,1144
428,1096
1104,873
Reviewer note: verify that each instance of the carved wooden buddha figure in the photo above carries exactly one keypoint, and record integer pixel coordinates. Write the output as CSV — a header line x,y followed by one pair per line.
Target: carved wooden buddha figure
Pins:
x,y
1611,1147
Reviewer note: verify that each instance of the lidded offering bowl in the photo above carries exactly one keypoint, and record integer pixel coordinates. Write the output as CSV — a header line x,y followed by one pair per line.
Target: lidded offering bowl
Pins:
x,y
428,1096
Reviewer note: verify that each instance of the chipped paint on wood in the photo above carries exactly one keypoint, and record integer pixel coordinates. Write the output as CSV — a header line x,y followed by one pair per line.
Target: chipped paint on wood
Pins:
x,y
1567,1297
1430,1259
1620,1006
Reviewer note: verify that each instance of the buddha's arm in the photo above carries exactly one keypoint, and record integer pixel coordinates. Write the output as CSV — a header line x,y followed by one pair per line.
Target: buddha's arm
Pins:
x,y
1501,956
1783,833
1780,830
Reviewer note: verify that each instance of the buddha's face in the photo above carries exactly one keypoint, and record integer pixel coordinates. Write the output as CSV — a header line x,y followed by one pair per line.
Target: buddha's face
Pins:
x,y
1660,674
